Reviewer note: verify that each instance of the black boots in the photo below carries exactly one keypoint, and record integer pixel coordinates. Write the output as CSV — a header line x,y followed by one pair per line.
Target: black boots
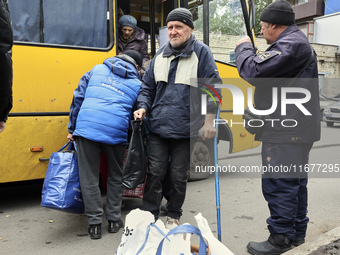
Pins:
x,y
95,231
114,226
298,240
275,245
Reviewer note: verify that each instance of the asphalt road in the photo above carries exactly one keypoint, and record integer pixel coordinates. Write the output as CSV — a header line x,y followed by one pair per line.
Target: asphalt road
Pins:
x,y
27,228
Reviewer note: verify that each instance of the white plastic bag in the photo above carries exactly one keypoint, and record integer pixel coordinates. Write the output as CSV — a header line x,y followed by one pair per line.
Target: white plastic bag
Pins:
x,y
178,244
177,241
155,234
216,247
141,236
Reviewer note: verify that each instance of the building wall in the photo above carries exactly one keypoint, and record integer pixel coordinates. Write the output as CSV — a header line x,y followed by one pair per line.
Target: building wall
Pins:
x,y
308,29
307,9
325,30
222,45
329,69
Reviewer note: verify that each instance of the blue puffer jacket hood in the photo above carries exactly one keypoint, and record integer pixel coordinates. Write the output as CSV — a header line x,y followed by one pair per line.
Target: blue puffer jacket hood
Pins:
x,y
121,68
102,104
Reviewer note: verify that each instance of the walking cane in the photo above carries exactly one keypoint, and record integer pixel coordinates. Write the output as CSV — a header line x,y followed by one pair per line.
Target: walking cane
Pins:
x,y
217,183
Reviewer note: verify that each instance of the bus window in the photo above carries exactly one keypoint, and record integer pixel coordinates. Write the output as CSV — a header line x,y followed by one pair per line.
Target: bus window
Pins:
x,y
226,27
63,22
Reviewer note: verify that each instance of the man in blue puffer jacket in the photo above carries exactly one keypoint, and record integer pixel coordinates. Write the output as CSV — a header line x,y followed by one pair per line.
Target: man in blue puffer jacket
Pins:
x,y
100,114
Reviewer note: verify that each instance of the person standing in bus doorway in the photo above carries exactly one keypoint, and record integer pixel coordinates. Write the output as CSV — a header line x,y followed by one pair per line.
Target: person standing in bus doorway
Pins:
x,y
288,56
6,71
132,37
166,97
100,115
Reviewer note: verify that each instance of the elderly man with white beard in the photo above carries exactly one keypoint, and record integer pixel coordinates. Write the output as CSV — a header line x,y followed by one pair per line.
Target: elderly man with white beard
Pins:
x,y
172,103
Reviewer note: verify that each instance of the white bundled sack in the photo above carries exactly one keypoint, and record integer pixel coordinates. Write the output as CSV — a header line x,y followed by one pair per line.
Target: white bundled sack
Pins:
x,y
143,237
140,235
177,241
216,247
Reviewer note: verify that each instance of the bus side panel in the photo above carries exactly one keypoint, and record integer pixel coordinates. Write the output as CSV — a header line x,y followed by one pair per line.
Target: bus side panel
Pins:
x,y
241,140
18,162
44,78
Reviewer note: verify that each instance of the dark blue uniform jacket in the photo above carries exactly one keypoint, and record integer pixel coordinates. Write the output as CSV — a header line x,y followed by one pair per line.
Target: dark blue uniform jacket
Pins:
x,y
278,67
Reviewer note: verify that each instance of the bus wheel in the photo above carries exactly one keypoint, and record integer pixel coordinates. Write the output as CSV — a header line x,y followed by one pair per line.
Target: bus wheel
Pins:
x,y
202,158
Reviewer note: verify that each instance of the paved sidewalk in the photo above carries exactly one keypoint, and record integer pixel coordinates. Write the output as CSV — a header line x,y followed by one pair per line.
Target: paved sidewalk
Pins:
x,y
312,246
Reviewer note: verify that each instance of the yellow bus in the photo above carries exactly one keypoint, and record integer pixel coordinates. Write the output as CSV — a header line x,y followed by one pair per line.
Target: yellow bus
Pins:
x,y
57,41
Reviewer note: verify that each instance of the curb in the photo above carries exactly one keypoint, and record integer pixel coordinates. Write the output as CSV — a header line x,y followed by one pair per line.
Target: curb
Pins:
x,y
315,243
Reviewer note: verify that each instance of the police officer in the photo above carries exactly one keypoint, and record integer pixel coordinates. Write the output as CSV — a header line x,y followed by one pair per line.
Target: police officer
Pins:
x,y
286,142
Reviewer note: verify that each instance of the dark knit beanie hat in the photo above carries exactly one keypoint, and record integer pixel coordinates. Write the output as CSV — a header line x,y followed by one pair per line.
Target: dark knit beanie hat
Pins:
x,y
279,12
127,20
136,55
181,14
133,57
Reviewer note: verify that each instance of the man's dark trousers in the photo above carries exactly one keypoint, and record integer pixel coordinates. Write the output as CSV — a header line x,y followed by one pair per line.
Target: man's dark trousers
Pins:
x,y
159,151
286,192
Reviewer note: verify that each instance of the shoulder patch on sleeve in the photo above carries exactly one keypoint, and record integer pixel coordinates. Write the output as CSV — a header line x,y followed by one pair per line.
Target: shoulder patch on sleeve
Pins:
x,y
266,55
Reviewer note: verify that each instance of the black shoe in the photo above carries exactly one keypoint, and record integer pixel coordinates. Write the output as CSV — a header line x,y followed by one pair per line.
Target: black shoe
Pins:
x,y
275,245
114,226
298,240
95,231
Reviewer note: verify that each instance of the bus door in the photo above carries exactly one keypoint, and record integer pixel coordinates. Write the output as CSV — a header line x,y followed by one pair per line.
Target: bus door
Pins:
x,y
150,16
